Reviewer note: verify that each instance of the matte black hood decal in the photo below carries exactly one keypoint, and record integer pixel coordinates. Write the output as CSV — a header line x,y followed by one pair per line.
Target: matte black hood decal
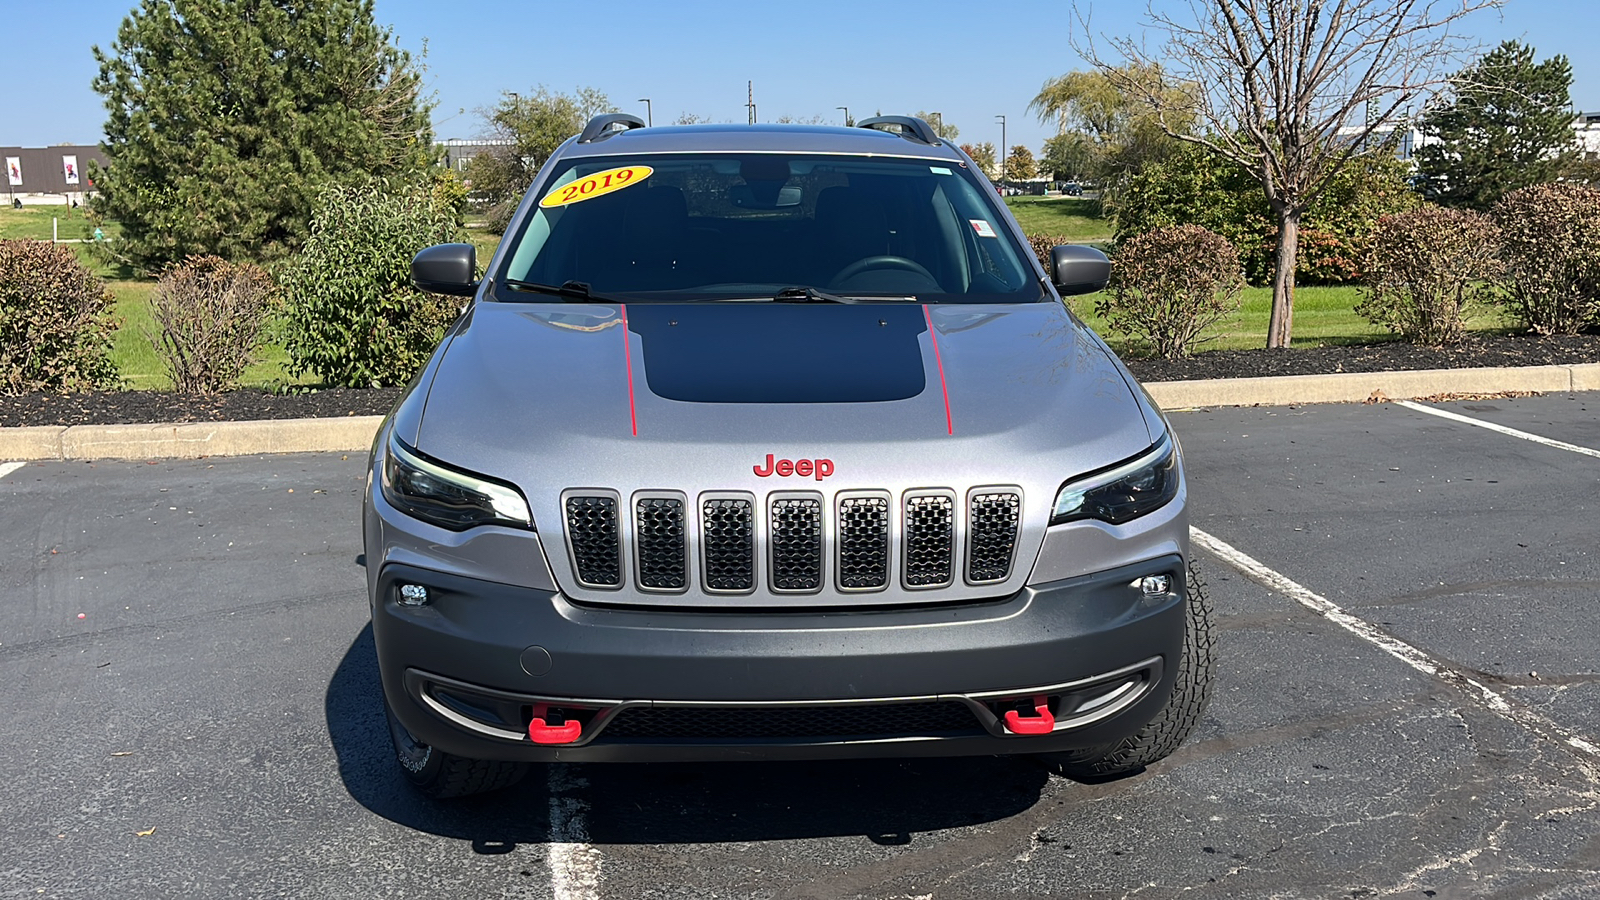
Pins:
x,y
781,352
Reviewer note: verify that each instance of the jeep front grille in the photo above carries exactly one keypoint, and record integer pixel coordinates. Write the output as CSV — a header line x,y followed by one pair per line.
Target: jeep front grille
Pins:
x,y
727,534
661,543
593,537
793,542
795,533
863,543
929,539
992,520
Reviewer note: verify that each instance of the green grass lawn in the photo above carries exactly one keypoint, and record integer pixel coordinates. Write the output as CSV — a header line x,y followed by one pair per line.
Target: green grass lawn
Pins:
x,y
34,223
1071,217
1323,316
136,358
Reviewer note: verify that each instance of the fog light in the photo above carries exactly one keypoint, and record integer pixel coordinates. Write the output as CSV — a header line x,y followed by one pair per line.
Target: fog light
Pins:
x,y
413,595
1155,585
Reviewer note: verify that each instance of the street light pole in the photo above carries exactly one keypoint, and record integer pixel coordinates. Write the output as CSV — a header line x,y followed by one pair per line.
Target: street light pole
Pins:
x,y
846,115
649,120
1002,154
938,126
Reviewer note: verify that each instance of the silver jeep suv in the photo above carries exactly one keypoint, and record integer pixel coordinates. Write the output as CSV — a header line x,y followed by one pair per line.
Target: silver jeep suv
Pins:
x,y
773,442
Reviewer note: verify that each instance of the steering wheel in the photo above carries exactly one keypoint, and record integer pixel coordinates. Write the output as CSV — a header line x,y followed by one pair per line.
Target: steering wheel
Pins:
x,y
882,262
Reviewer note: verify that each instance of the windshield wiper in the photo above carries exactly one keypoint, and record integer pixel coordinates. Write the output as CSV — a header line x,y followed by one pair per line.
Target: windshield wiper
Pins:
x,y
809,295
577,289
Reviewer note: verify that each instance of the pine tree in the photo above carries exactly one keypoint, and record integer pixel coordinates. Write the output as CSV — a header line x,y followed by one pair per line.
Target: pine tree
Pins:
x,y
1507,124
226,117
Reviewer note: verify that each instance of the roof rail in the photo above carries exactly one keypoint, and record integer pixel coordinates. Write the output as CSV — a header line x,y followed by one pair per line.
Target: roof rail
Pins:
x,y
597,129
909,127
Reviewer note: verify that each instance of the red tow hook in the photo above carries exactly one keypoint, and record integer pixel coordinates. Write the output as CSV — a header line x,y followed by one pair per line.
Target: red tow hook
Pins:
x,y
540,733
1043,723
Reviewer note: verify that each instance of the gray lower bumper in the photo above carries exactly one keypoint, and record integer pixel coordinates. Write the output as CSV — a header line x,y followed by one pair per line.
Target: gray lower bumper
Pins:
x,y
460,672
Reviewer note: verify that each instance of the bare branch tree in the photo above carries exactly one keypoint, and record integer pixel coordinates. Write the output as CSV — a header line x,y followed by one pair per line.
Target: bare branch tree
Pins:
x,y
1290,90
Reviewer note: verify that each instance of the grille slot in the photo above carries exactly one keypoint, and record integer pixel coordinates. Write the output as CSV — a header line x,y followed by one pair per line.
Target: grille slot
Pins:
x,y
795,537
826,722
992,518
593,539
929,539
660,542
727,535
863,543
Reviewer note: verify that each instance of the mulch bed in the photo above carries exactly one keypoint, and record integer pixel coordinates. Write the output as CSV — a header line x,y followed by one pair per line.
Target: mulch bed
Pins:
x,y
130,407
1478,350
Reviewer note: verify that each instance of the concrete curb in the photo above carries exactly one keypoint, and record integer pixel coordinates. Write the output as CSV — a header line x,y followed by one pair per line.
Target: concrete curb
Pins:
x,y
189,440
355,433
1354,387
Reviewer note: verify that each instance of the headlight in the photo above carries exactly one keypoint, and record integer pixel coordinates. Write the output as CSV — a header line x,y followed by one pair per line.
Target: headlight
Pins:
x,y
1123,492
448,498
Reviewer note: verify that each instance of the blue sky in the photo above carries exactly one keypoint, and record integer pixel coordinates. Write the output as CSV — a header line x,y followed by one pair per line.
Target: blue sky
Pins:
x,y
695,57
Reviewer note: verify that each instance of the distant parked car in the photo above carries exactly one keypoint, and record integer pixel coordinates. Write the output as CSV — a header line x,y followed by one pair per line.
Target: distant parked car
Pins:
x,y
1072,189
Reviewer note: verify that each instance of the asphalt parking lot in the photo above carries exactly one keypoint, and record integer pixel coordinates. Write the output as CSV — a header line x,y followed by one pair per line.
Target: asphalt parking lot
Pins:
x,y
1410,709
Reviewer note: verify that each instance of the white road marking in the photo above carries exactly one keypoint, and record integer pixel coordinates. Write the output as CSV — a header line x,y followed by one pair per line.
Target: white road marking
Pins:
x,y
574,864
1527,436
8,468
1411,656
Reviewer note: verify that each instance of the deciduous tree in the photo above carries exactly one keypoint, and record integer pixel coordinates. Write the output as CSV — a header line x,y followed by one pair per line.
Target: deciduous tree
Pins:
x,y
942,128
984,155
1116,128
527,130
1291,90
226,117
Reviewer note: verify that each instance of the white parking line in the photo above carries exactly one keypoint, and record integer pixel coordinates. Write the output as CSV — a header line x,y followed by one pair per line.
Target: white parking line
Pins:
x,y
8,468
574,863
1388,643
1537,439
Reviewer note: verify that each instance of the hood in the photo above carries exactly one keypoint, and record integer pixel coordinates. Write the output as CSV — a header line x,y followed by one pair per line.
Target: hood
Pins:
x,y
564,383
771,397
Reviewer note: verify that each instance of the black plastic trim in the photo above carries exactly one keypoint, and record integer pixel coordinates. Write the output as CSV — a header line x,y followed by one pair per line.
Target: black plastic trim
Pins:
x,y
598,127
910,127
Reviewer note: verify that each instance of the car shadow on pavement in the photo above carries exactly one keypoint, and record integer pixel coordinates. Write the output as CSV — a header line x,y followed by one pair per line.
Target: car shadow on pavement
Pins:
x,y
885,801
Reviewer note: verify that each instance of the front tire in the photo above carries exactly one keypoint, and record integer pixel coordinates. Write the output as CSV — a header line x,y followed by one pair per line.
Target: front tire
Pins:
x,y
442,775
1190,694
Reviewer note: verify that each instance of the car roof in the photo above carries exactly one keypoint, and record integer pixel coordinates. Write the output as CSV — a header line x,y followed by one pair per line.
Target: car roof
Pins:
x,y
732,138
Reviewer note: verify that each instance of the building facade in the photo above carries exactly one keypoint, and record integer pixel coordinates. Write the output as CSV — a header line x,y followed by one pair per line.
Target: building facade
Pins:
x,y
49,174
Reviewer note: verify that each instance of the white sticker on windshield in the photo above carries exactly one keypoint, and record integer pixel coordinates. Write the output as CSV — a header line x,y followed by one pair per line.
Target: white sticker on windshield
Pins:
x,y
983,228
940,170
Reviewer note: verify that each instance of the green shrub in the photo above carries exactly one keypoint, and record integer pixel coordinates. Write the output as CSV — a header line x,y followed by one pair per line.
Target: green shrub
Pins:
x,y
1042,244
1424,268
350,313
1194,187
1550,237
209,315
55,321
1168,284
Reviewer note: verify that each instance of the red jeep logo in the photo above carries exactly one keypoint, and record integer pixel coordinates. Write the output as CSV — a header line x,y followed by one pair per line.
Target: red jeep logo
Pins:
x,y
813,468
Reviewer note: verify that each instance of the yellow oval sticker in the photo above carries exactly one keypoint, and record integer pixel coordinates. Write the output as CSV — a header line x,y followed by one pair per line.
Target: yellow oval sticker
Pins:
x,y
596,185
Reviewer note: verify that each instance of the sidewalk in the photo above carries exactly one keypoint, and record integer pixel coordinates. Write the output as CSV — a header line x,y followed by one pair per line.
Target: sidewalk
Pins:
x,y
354,433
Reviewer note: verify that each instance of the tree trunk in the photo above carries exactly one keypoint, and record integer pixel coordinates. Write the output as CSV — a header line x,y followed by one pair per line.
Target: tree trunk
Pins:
x,y
1282,324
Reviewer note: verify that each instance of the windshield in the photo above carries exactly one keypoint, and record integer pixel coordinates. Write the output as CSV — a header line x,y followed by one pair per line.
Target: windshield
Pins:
x,y
751,226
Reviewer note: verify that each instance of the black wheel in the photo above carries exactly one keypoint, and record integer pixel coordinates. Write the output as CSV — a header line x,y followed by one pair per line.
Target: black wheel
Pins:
x,y
1176,720
442,775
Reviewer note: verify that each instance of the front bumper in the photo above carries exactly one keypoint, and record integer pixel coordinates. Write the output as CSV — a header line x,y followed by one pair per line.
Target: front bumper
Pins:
x,y
466,672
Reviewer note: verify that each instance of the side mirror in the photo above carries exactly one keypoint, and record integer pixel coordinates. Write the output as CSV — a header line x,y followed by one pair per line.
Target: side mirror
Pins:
x,y
446,269
1076,269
